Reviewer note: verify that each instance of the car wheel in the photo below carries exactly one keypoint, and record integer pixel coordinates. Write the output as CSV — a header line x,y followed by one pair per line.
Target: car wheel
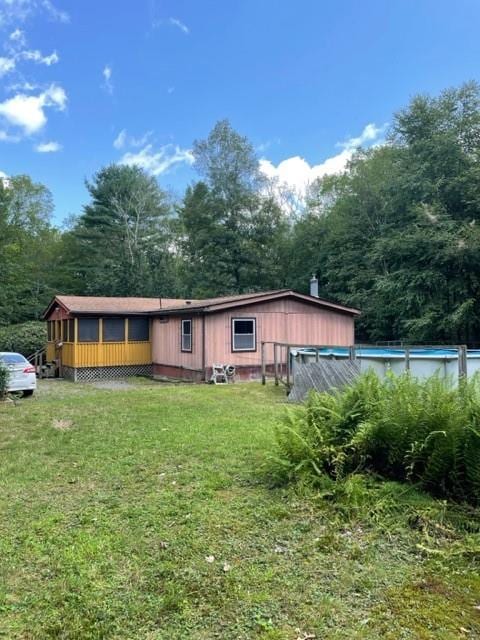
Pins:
x,y
27,393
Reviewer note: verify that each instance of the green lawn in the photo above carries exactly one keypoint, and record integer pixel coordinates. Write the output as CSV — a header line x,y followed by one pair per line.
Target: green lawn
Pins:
x,y
150,513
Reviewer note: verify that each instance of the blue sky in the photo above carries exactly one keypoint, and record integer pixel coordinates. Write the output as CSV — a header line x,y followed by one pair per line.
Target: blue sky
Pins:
x,y
305,81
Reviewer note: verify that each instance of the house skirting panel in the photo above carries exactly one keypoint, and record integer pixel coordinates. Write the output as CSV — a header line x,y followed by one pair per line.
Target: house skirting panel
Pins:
x,y
178,373
68,372
246,372
89,374
242,372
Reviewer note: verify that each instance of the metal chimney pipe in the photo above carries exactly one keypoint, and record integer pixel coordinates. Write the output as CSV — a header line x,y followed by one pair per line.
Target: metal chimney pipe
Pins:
x,y
314,286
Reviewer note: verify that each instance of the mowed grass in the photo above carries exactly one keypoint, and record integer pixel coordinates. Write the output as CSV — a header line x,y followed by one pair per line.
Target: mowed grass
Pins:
x,y
150,512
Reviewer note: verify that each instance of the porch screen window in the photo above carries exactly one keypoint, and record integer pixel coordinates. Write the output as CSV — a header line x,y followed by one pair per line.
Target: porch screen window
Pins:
x,y
65,330
138,329
243,334
88,329
113,330
49,331
71,330
186,335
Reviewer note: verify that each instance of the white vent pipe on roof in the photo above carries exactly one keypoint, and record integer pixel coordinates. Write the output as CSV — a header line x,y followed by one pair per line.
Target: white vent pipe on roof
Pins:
x,y
314,286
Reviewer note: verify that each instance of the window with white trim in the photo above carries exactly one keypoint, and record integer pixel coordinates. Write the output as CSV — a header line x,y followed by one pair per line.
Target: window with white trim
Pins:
x,y
186,343
244,336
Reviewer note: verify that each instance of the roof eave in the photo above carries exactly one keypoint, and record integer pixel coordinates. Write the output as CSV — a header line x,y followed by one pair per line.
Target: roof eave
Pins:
x,y
99,312
179,311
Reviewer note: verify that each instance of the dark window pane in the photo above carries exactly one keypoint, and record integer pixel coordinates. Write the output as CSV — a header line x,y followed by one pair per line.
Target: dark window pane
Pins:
x,y
138,329
65,330
113,330
71,330
243,326
49,331
88,329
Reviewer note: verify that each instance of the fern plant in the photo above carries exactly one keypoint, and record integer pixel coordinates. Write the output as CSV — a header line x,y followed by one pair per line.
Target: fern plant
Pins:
x,y
426,432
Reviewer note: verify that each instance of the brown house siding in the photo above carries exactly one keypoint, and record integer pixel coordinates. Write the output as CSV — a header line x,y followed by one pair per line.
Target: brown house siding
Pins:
x,y
284,320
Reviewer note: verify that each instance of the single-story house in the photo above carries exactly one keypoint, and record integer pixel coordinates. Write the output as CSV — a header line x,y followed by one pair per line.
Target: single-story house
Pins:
x,y
101,337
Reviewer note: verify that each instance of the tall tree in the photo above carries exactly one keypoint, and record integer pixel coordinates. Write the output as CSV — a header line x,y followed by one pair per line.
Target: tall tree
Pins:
x,y
233,232
397,233
28,246
123,238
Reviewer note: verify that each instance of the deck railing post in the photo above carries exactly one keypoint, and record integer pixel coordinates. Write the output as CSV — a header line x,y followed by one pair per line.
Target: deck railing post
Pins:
x,y
316,355
351,352
407,358
275,363
462,362
288,367
263,363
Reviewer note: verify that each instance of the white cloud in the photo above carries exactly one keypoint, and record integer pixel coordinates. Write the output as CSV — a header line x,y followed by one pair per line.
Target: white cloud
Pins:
x,y
36,56
370,133
6,66
18,38
158,162
124,140
263,146
12,11
6,137
107,79
296,174
175,22
28,111
22,86
16,53
54,13
48,147
120,140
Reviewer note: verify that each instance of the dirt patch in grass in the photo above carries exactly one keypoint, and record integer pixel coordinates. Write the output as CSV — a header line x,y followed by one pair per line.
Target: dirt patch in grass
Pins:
x,y
61,424
113,385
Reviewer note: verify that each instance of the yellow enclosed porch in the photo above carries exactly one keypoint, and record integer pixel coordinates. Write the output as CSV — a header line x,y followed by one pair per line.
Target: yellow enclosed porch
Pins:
x,y
99,342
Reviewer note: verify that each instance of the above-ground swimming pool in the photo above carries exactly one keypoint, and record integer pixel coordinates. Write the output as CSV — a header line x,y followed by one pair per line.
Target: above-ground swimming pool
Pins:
x,y
423,361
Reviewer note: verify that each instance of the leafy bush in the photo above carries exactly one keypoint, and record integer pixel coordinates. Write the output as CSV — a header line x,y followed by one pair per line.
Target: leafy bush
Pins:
x,y
426,432
24,338
4,376
317,434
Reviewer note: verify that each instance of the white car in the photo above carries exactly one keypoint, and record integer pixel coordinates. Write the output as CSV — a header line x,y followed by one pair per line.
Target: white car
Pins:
x,y
22,373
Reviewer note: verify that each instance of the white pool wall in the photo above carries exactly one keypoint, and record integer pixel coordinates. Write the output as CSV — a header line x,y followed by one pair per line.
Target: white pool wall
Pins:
x,y
423,366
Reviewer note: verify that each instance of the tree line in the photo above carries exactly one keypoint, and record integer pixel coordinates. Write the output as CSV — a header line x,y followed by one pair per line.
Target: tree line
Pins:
x,y
396,234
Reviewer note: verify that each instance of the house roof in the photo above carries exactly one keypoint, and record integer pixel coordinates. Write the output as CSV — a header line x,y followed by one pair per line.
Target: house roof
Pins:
x,y
110,305
171,306
210,305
